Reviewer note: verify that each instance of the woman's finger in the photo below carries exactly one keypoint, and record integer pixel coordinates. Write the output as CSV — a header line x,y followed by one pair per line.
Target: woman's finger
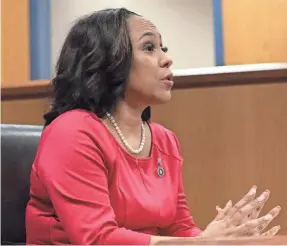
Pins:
x,y
245,200
250,211
244,229
222,213
272,232
250,207
274,213
255,213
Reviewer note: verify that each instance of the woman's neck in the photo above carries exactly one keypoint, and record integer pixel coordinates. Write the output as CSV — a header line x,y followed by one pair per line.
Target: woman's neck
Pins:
x,y
128,118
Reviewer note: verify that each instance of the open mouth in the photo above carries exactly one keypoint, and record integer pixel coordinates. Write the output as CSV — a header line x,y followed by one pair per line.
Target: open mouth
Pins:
x,y
168,81
168,77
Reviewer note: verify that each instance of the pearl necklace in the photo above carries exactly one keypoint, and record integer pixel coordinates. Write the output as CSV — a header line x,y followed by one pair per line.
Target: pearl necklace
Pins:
x,y
126,144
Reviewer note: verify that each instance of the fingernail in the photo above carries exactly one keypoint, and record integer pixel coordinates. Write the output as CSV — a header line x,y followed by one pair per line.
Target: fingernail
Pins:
x,y
252,191
268,217
278,209
261,198
229,203
267,191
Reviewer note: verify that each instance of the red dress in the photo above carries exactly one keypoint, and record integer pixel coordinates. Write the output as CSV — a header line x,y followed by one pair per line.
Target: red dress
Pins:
x,y
86,189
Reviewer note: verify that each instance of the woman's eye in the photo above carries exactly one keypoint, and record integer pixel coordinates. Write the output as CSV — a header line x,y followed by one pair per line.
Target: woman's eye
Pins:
x,y
164,49
149,47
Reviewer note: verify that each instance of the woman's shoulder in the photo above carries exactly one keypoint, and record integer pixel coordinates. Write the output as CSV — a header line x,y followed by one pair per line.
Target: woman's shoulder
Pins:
x,y
165,139
161,130
72,119
75,123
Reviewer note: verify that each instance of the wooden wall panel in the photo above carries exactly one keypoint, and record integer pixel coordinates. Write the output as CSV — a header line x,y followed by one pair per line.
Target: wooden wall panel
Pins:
x,y
24,111
231,138
15,41
254,31
231,123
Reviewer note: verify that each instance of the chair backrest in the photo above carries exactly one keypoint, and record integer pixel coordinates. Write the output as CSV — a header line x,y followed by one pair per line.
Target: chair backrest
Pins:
x,y
18,148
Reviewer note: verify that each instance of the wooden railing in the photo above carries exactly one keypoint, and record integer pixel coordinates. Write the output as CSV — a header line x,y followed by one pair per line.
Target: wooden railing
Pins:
x,y
276,240
183,78
230,75
28,90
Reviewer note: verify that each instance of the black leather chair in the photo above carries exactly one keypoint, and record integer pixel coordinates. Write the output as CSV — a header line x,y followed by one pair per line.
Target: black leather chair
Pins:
x,y
18,149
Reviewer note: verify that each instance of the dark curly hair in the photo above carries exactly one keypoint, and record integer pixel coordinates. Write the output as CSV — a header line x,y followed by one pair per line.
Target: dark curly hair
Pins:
x,y
93,65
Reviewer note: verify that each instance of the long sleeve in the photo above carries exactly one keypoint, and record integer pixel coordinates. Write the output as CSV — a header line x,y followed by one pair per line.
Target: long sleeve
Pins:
x,y
76,178
183,225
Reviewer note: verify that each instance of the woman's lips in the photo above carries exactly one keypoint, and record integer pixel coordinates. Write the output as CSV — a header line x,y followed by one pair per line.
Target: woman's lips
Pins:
x,y
168,83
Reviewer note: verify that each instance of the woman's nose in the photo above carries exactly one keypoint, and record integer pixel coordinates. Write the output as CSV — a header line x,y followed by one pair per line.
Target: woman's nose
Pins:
x,y
165,61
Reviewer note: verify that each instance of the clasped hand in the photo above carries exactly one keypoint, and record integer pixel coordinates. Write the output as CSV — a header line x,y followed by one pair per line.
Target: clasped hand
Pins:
x,y
242,218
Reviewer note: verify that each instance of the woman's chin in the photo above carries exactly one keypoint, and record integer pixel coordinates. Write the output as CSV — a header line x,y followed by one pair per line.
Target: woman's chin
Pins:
x,y
163,97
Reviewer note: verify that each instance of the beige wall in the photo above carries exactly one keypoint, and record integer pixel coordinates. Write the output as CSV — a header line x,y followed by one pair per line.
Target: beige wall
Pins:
x,y
186,25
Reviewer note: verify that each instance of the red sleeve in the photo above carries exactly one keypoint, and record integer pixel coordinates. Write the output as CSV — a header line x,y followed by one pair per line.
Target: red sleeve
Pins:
x,y
75,176
183,225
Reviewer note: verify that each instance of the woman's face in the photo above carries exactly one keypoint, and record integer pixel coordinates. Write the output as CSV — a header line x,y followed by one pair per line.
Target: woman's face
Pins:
x,y
150,77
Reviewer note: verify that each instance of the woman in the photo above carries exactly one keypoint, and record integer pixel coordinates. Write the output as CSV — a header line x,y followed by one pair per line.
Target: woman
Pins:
x,y
104,173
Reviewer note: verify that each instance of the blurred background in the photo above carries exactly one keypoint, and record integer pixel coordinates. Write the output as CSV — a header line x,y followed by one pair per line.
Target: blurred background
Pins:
x,y
199,33
229,106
